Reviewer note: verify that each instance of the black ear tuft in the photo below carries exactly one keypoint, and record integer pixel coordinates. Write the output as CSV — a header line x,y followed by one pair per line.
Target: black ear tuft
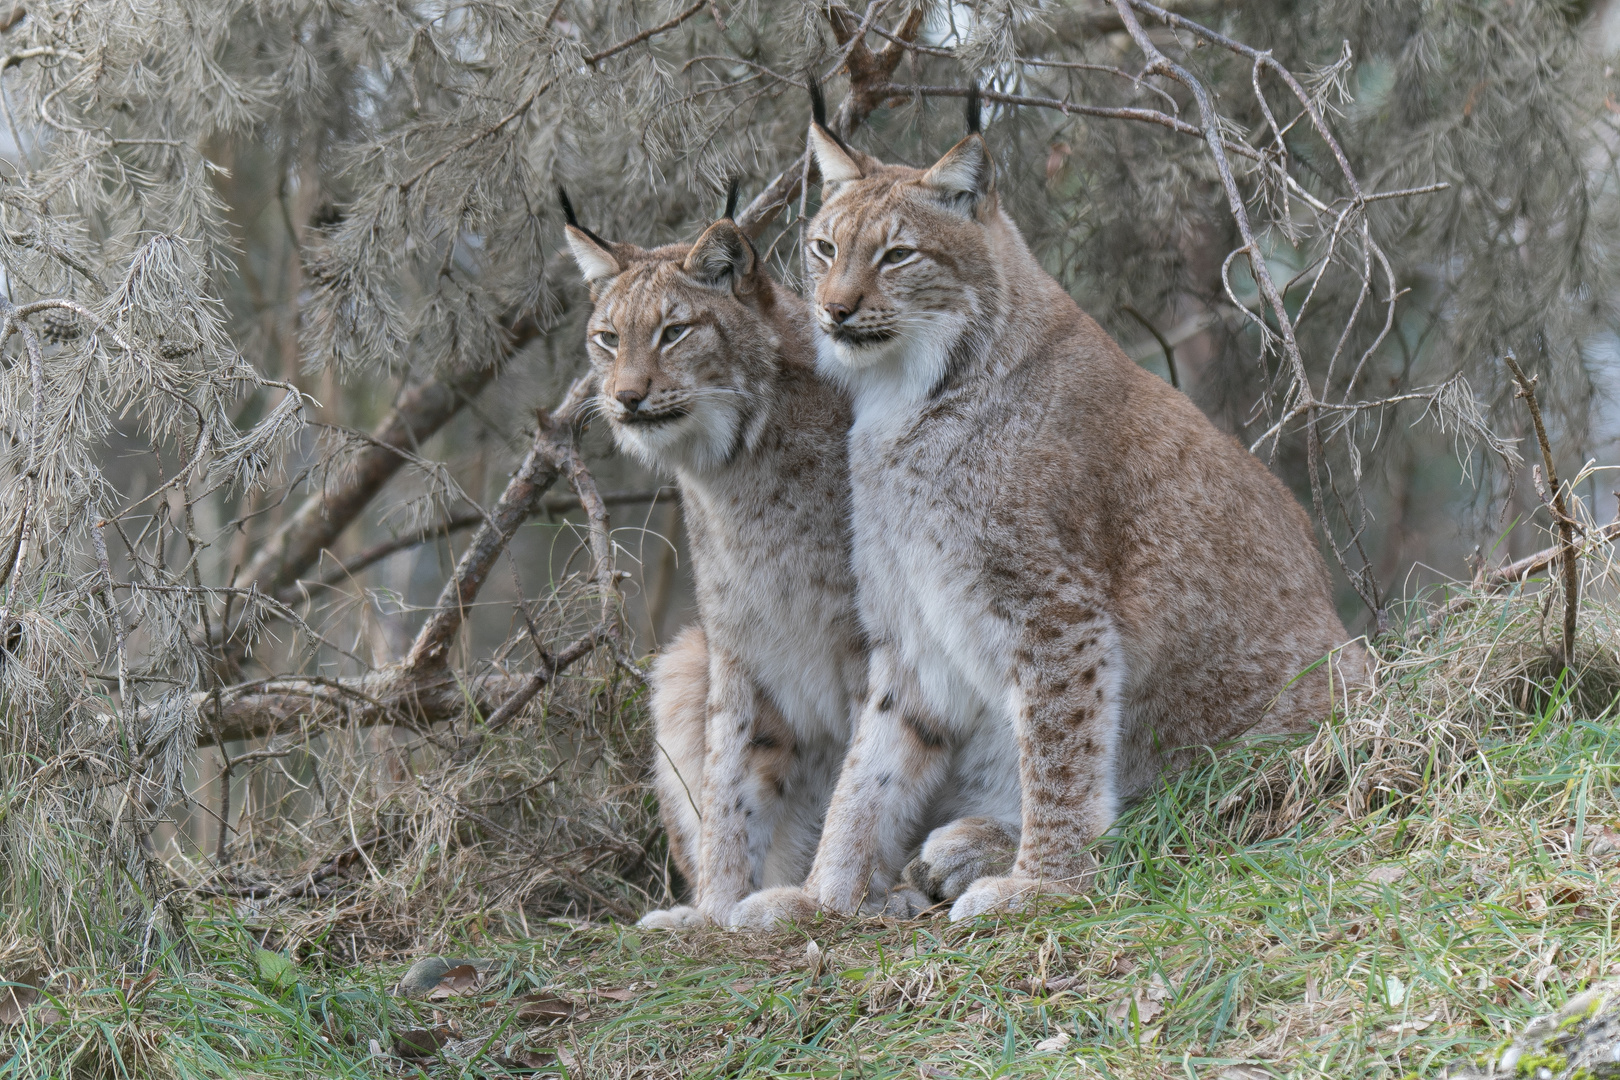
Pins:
x,y
568,216
973,107
731,199
818,111
818,104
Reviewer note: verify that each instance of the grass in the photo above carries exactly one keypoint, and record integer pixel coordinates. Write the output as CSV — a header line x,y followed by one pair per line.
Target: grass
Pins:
x,y
1436,866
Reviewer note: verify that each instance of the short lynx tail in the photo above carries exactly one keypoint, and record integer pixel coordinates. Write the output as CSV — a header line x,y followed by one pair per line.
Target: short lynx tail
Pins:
x,y
973,107
568,216
731,200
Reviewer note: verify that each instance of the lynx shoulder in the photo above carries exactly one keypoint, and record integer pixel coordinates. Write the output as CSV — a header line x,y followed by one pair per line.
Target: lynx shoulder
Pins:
x,y
706,372
1058,556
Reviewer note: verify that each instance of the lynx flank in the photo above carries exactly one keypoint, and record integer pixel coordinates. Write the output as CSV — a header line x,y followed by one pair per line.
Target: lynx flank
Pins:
x,y
707,372
1058,555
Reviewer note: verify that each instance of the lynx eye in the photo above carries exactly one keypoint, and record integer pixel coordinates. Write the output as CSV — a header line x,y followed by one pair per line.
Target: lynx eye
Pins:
x,y
607,339
898,255
826,249
674,333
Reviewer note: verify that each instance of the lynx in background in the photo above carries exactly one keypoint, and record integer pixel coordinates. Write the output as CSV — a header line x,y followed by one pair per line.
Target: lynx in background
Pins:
x,y
706,371
1058,555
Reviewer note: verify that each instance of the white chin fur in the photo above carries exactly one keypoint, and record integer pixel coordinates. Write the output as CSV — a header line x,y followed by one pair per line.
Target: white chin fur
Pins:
x,y
700,440
897,372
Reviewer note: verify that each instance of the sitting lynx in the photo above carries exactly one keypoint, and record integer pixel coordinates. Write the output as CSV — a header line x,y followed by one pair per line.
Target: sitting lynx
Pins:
x,y
707,371
1058,555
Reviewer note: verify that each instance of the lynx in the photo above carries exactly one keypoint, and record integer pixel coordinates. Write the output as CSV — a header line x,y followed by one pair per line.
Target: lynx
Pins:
x,y
1059,558
706,371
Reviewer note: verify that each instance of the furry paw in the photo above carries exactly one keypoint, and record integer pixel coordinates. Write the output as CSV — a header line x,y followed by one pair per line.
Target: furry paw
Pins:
x,y
989,895
675,918
770,907
903,903
956,855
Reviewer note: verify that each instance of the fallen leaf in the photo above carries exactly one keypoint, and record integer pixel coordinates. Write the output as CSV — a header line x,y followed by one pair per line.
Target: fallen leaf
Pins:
x,y
1388,874
15,1000
1156,989
544,1008
277,972
1244,1072
1605,842
421,1042
1146,1007
1566,895
1411,1025
1543,975
1394,991
623,993
1054,984
457,982
1054,1044
526,1059
1121,965
742,986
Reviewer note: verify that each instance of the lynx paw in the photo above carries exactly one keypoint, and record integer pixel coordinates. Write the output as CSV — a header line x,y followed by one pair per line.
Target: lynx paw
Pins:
x,y
992,894
956,855
675,918
769,907
904,903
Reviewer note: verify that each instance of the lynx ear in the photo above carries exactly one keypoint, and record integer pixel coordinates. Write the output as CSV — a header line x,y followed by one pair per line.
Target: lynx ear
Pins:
x,y
835,163
963,177
722,256
595,261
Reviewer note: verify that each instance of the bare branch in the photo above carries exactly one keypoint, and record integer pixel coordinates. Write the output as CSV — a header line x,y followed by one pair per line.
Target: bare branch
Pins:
x,y
548,456
1560,508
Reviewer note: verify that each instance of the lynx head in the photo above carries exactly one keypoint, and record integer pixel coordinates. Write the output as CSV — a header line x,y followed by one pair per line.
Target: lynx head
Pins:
x,y
902,261
682,341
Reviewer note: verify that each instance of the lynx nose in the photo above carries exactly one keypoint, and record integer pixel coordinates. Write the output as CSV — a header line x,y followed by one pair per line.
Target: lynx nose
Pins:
x,y
630,399
838,312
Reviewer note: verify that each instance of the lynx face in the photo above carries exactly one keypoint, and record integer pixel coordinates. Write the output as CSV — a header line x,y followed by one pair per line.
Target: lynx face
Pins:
x,y
679,343
900,261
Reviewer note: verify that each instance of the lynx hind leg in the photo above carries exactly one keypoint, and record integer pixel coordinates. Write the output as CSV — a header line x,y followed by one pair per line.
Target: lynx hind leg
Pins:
x,y
680,709
1067,717
956,855
1307,701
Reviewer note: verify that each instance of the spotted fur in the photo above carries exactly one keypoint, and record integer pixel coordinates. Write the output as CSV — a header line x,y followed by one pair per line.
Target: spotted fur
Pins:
x,y
706,371
1059,557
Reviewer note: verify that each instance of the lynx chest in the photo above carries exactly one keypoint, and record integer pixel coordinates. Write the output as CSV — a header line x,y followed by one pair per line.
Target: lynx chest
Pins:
x,y
920,506
774,591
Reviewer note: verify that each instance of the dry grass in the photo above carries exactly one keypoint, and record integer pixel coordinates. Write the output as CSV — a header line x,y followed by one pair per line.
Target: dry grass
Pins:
x,y
1436,865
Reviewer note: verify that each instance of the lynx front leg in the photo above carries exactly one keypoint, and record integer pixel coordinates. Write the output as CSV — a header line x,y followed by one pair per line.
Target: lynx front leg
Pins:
x,y
747,750
895,761
1066,714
